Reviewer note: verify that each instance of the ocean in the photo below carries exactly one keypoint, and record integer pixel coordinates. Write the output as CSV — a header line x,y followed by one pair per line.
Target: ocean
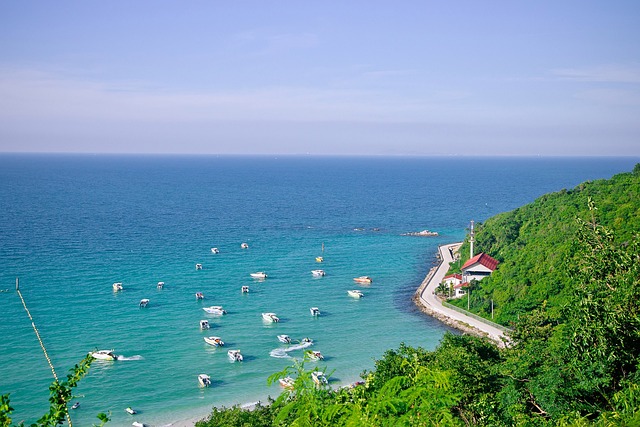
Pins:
x,y
72,225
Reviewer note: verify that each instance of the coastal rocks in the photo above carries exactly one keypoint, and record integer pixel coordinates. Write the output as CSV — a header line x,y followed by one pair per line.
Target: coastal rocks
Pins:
x,y
423,233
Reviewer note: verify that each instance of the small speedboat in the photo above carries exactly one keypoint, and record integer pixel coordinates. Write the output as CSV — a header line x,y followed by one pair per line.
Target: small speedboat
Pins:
x,y
244,246
215,251
284,339
313,355
160,285
75,405
144,302
214,341
130,410
104,355
245,290
235,355
198,266
306,340
204,380
319,378
259,275
138,424
117,287
319,259
363,279
199,295
315,311
286,382
204,324
216,310
270,317
355,293
317,273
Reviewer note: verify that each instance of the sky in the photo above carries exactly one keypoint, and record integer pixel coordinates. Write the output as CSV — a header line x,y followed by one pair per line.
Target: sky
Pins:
x,y
410,78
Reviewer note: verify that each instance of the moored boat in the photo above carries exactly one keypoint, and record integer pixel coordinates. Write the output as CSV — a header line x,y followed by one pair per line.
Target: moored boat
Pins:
x,y
319,378
104,355
117,286
215,251
144,302
235,355
204,380
318,273
75,405
160,285
286,382
198,266
270,317
313,355
215,309
355,293
319,259
244,246
245,290
204,324
214,341
315,311
199,296
130,410
284,339
363,279
259,275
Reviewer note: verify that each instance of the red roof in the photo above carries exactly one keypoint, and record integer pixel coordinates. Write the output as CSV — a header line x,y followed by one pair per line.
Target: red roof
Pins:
x,y
453,276
461,285
484,259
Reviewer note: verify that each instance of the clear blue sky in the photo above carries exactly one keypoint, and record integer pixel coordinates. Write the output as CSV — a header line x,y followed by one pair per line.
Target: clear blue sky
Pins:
x,y
325,77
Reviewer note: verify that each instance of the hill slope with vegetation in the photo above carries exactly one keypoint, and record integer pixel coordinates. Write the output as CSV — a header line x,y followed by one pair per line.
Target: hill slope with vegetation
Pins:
x,y
537,249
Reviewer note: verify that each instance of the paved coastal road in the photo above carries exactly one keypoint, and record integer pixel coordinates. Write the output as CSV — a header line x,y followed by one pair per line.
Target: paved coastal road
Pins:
x,y
429,300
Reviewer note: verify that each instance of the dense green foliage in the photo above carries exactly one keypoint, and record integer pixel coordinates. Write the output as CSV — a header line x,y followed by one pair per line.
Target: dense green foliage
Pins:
x,y
535,245
574,356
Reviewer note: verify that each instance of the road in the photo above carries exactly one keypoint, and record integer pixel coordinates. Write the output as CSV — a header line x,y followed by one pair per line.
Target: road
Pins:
x,y
429,299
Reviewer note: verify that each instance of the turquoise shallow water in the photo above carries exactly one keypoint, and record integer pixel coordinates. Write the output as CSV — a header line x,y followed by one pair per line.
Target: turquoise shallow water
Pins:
x,y
73,225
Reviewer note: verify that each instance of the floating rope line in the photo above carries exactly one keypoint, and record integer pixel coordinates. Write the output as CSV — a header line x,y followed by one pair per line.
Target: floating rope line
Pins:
x,y
44,350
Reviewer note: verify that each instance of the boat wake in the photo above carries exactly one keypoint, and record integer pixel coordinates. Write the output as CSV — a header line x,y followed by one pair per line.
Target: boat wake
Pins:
x,y
136,357
283,352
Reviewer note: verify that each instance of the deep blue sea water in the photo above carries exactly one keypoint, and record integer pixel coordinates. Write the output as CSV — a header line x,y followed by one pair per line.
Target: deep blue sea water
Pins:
x,y
74,224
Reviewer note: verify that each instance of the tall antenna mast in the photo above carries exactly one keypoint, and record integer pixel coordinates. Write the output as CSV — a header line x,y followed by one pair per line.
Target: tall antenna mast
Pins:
x,y
471,241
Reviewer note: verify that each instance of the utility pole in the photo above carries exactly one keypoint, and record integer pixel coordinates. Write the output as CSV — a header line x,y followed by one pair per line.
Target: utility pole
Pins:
x,y
471,241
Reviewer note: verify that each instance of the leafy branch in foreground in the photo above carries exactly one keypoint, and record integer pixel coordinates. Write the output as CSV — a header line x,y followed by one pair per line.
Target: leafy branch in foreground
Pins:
x,y
60,394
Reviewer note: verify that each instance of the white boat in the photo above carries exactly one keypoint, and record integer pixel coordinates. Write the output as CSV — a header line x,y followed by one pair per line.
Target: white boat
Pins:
x,y
355,293
284,339
363,279
259,275
245,289
117,287
319,378
215,251
204,380
160,285
199,295
75,405
215,309
104,355
314,355
204,324
144,302
317,273
214,341
244,246
315,311
306,340
270,317
198,266
286,382
138,424
130,410
235,355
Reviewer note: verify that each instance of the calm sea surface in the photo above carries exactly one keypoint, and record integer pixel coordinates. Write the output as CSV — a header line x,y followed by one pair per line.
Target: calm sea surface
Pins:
x,y
73,225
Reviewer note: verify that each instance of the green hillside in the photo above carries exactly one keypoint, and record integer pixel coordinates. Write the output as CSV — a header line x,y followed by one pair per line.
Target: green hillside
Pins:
x,y
536,245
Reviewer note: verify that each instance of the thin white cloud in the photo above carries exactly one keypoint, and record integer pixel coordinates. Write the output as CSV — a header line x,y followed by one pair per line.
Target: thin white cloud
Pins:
x,y
602,74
